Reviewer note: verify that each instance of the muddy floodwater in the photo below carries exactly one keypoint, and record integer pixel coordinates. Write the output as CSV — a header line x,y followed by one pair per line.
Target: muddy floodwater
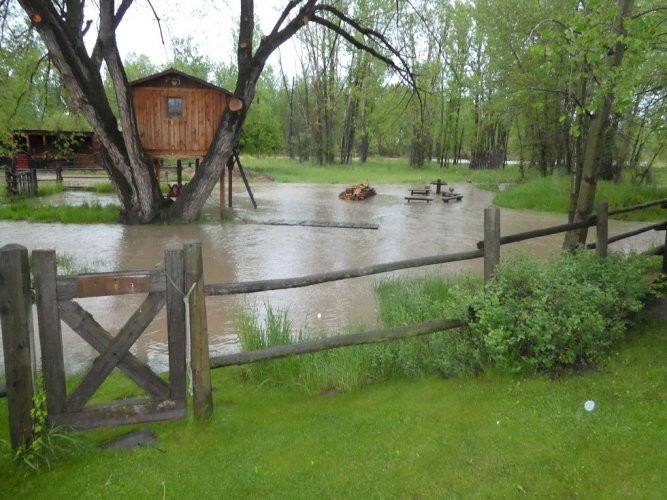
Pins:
x,y
249,249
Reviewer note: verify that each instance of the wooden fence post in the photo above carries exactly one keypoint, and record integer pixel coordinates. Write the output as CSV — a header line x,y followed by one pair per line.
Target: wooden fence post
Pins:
x,y
491,241
50,338
17,340
202,395
176,331
33,182
602,229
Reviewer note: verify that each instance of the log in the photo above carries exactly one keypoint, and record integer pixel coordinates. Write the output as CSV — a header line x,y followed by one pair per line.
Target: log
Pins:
x,y
235,104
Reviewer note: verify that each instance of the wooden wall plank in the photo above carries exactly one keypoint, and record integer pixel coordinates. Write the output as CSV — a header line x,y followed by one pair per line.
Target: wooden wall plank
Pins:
x,y
193,133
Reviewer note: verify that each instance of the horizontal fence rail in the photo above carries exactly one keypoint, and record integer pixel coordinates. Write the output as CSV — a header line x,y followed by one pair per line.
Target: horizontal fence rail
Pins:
x,y
660,226
372,336
591,221
315,279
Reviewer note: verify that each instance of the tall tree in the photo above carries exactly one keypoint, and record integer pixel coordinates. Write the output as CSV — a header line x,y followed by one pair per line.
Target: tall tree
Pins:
x,y
62,27
582,205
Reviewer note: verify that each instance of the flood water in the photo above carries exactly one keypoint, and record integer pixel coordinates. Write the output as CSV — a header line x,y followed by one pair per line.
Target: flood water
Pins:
x,y
248,249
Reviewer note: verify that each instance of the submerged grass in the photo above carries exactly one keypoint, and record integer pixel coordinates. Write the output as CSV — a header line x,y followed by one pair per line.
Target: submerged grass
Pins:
x,y
488,437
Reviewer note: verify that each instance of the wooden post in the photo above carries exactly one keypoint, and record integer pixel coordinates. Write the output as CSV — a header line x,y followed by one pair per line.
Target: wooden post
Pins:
x,y
222,192
602,229
59,173
491,241
179,173
50,333
230,176
33,182
17,341
156,166
202,397
174,268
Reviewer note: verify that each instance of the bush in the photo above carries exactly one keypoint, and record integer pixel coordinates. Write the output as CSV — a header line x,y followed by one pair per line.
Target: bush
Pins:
x,y
533,317
559,315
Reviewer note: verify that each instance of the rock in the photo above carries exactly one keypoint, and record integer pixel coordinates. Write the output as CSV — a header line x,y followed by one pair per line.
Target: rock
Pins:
x,y
142,437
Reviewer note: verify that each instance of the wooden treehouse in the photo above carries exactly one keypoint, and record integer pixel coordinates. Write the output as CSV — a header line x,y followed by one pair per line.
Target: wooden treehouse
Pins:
x,y
177,116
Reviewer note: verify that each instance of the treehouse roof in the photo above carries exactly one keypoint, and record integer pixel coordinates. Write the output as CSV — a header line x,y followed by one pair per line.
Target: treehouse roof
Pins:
x,y
172,77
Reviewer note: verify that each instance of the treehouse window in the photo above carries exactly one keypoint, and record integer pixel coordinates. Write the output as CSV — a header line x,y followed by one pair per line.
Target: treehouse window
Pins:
x,y
174,107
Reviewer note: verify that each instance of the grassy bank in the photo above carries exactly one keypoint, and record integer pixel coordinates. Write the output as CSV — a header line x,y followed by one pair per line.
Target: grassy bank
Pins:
x,y
552,194
25,209
489,437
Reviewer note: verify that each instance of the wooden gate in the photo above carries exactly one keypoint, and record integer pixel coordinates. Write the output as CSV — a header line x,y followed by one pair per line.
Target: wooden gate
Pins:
x,y
166,399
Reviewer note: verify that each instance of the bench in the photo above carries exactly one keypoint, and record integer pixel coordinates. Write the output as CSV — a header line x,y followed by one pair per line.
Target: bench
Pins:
x,y
451,196
415,198
424,191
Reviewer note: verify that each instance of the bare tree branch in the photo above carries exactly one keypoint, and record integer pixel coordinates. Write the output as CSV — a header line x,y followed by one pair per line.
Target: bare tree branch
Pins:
x,y
286,11
403,69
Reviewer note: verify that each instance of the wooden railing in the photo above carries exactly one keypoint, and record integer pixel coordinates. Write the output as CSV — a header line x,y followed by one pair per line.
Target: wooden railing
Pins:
x,y
489,249
195,292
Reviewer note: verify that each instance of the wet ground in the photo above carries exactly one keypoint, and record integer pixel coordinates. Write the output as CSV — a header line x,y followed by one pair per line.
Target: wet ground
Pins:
x,y
248,249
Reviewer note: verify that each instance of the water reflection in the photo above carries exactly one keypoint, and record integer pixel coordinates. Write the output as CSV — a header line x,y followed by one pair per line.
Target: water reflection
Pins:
x,y
248,250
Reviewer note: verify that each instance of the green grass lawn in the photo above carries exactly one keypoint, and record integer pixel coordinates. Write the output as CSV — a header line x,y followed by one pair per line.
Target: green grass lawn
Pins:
x,y
487,437
374,171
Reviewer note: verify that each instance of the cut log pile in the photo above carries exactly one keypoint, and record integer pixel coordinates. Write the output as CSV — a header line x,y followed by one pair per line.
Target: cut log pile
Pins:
x,y
357,192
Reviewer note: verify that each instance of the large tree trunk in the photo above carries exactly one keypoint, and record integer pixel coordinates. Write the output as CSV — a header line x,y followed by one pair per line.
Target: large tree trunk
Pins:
x,y
62,28
582,206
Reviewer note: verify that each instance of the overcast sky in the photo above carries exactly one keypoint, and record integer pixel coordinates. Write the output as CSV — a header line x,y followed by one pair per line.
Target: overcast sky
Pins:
x,y
209,23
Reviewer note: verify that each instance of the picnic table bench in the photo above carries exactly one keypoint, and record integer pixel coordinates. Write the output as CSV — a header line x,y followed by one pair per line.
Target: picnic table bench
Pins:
x,y
416,198
424,191
451,196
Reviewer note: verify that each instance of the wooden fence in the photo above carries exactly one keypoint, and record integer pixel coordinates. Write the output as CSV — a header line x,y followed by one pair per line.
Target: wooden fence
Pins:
x,y
25,182
54,298
21,182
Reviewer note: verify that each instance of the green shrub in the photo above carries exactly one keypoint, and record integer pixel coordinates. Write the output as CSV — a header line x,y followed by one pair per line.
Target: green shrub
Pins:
x,y
539,316
533,317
